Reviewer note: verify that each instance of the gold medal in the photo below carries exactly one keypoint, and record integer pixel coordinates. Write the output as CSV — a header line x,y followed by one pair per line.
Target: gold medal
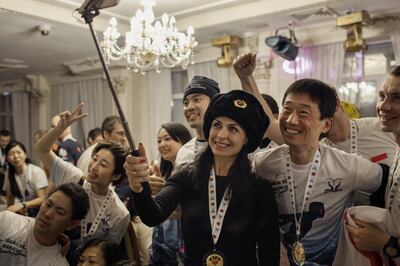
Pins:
x,y
213,258
298,253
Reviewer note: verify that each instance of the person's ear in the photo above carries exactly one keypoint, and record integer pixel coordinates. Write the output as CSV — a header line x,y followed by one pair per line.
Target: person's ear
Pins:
x,y
106,135
327,124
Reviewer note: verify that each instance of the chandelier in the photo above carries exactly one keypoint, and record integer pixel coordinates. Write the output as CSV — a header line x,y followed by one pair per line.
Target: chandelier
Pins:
x,y
149,44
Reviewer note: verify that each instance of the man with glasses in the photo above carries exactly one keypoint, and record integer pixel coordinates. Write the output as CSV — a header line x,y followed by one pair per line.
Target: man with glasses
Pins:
x,y
112,131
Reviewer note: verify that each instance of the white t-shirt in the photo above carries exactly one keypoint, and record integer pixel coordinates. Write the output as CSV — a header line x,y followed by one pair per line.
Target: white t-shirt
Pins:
x,y
83,162
115,221
32,179
18,245
271,145
372,143
340,174
188,152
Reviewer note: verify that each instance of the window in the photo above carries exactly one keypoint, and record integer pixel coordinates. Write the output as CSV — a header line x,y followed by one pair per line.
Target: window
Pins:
x,y
364,73
179,83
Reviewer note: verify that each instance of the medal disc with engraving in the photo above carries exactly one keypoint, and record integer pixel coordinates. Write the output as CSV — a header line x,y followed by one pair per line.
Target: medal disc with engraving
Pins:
x,y
214,258
298,253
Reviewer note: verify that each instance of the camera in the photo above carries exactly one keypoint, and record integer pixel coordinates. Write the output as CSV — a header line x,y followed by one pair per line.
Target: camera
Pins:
x,y
44,29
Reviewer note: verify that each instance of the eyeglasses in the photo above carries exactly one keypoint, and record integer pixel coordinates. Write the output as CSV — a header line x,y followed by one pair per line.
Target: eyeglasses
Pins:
x,y
119,133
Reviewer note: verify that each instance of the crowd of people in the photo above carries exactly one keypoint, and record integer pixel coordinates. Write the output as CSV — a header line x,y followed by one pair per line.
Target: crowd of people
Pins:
x,y
306,185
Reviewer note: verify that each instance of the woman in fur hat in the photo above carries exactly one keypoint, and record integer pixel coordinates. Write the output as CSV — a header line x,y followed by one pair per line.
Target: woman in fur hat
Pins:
x,y
229,215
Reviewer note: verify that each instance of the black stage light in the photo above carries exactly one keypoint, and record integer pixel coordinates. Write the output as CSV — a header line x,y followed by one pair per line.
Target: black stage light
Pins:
x,y
283,47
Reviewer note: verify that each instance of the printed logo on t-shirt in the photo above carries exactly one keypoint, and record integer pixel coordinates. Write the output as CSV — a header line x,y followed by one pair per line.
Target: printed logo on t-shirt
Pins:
x,y
279,185
11,246
104,225
62,153
333,185
316,210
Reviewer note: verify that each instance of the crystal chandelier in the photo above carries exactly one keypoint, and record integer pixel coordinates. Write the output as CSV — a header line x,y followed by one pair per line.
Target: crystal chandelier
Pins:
x,y
149,44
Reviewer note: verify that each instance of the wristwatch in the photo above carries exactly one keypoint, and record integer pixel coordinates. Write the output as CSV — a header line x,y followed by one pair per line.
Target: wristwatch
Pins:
x,y
391,248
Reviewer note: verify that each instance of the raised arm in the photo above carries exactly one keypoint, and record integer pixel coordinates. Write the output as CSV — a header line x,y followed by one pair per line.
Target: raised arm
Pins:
x,y
244,66
43,146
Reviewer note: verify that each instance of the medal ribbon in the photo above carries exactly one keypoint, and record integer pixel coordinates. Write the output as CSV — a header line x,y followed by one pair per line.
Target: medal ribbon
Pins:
x,y
312,177
99,216
216,216
353,137
394,180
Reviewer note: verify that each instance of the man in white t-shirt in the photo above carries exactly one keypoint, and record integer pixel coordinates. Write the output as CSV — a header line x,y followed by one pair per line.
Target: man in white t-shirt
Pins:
x,y
313,183
371,142
377,230
34,242
108,217
112,131
196,98
364,137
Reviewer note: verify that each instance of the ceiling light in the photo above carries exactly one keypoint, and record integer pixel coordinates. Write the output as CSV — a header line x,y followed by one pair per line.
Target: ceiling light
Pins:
x,y
150,43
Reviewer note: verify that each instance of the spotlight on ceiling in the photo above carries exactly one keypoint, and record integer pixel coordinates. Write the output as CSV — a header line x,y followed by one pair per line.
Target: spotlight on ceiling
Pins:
x,y
287,48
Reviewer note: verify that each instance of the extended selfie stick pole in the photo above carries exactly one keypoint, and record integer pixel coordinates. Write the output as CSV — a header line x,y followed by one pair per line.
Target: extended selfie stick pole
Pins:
x,y
88,15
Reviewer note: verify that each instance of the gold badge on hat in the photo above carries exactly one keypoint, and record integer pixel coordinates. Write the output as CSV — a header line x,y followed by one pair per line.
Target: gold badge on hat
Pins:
x,y
240,103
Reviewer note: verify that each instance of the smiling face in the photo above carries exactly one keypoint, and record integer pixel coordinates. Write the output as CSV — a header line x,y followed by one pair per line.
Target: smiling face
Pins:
x,y
388,105
101,168
16,156
227,137
54,215
92,256
167,146
300,121
194,107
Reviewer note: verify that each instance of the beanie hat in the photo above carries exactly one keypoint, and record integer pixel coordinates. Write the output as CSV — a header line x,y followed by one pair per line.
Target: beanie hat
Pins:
x,y
244,109
202,85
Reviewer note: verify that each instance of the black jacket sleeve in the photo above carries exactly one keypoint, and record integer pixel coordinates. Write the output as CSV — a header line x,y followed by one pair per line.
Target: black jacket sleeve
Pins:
x,y
267,225
153,211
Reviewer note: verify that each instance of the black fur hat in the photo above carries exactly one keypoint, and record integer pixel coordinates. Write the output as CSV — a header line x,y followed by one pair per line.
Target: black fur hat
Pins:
x,y
242,107
202,85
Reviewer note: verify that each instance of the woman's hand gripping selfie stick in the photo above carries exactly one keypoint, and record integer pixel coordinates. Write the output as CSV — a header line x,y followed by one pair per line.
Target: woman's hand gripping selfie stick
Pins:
x,y
88,15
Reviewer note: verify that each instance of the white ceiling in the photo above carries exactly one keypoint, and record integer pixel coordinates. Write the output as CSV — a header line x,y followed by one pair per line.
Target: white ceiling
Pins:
x,y
23,47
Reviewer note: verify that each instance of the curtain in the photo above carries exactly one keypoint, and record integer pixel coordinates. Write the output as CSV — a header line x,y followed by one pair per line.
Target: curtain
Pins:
x,y
395,37
25,117
211,70
92,92
159,105
324,62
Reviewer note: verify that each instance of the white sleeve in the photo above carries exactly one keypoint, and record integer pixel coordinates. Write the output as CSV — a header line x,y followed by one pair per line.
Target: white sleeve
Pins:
x,y
83,162
253,164
39,178
118,231
63,172
6,185
181,157
263,163
368,176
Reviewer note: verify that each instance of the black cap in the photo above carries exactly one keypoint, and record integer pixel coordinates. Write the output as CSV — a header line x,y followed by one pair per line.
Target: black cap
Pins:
x,y
242,107
202,85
